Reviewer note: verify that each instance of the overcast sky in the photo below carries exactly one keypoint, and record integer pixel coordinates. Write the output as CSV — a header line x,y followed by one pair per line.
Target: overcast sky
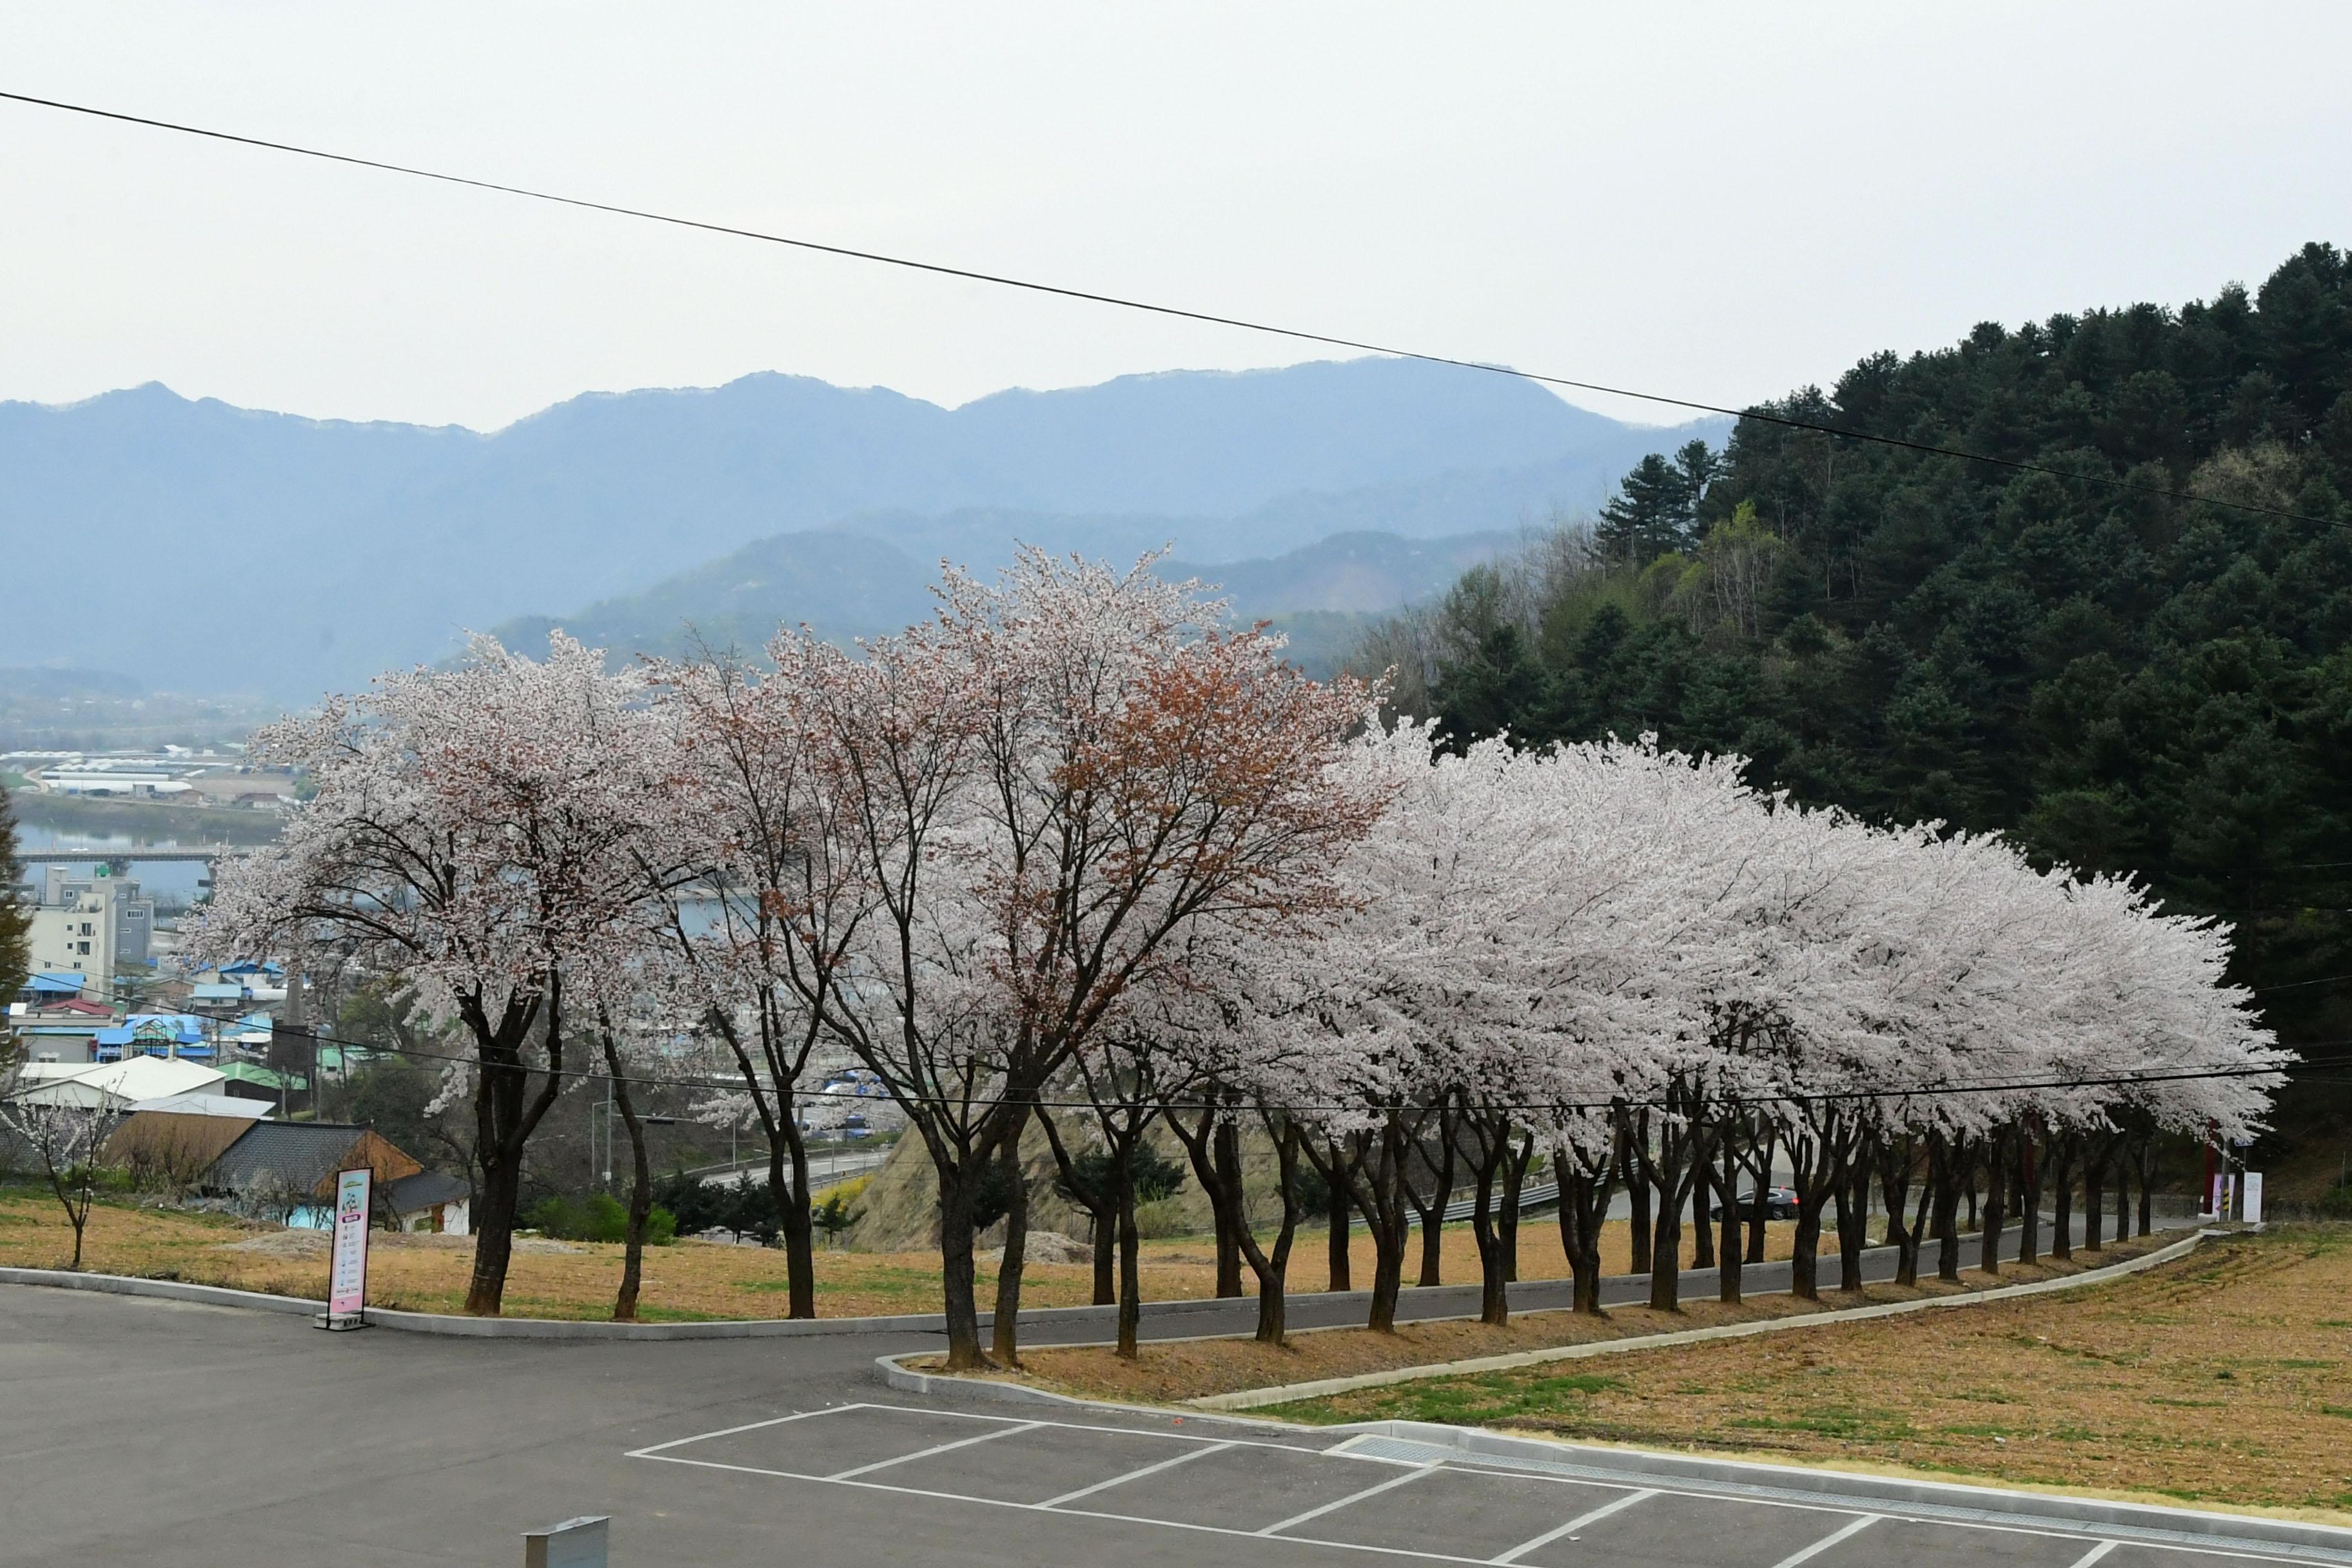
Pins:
x,y
1716,202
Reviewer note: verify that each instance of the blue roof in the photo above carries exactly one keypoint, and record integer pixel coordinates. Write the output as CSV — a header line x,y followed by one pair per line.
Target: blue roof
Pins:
x,y
57,979
248,966
219,993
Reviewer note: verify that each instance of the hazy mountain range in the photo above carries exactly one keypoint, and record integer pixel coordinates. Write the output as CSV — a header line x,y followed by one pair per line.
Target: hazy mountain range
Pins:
x,y
196,546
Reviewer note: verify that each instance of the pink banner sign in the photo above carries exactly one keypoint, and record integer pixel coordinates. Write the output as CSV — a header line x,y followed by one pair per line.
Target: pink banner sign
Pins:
x,y
347,1282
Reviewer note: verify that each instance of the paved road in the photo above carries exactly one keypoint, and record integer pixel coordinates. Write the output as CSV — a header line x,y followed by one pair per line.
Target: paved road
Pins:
x,y
143,1431
1420,1304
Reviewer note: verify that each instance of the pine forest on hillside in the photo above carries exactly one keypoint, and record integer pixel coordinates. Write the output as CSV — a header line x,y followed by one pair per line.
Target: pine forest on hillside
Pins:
x,y
2122,681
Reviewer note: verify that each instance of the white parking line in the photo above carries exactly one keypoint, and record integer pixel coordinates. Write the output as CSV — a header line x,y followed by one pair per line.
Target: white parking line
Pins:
x,y
1806,1554
1185,1458
2096,1553
1572,1526
1411,1475
730,1431
938,1448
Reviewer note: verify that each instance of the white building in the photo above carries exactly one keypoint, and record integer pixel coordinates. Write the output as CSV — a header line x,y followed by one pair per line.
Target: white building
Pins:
x,y
92,924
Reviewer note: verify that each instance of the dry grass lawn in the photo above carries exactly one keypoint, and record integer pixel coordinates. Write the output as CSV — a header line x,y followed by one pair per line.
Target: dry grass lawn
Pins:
x,y
2223,1378
687,1281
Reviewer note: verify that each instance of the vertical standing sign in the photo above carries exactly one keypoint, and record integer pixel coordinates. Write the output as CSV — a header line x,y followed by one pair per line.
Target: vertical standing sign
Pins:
x,y
2250,1198
347,1281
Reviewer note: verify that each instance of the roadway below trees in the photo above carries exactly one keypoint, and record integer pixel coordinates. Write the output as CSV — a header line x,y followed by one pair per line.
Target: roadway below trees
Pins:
x,y
138,1430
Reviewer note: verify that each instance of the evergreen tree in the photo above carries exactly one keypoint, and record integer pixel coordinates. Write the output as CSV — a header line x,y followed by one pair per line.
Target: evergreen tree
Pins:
x,y
2123,682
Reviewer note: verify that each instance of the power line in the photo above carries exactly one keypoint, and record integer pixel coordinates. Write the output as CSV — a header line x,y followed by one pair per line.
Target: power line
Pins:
x,y
1919,1090
1125,303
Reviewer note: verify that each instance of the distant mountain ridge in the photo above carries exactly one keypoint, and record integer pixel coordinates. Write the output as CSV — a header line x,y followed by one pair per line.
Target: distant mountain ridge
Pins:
x,y
197,546
848,582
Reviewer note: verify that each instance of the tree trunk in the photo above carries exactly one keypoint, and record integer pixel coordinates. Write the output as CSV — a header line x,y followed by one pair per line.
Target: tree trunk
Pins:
x,y
1702,1223
1432,1215
1760,1213
1632,1148
1729,1254
793,1220
1944,1173
1515,1183
1491,1154
641,1192
1272,1269
1336,1179
2096,1148
959,1302
2147,1174
1228,1161
2030,1176
2062,1194
1007,1321
1130,1277
1385,1206
506,1113
1996,1193
1584,1210
1851,1180
1099,1220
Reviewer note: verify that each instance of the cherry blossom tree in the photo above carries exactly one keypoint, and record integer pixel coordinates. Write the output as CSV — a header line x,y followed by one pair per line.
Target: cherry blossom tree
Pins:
x,y
475,833
1040,789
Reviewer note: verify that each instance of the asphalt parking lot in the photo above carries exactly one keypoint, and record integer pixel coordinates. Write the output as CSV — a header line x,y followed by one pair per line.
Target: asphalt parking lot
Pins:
x,y
144,1431
1297,1499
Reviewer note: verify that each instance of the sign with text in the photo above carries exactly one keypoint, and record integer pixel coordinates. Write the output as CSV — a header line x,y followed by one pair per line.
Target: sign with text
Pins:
x,y
347,1282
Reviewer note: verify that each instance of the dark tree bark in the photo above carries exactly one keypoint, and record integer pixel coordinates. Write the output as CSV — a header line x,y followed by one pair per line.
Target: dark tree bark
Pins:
x,y
1702,1223
2031,1174
1631,1171
1430,1215
1945,1156
641,1186
1100,1229
1515,1182
1585,1192
1337,1165
2099,1148
1760,1213
1487,1140
1381,1190
1228,1163
2063,1148
1729,1254
1006,1323
1271,1266
1996,1151
507,1111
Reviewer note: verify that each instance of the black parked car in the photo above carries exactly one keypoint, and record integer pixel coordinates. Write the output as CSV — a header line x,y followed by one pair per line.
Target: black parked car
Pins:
x,y
1780,1203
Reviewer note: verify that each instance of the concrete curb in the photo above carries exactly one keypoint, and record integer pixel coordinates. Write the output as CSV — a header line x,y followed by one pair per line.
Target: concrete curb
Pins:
x,y
458,1326
898,1376
1256,1398
1958,1499
161,1289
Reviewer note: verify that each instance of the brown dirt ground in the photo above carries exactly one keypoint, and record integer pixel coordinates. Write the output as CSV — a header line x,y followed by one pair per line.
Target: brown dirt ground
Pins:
x,y
687,1281
1169,1371
2221,1378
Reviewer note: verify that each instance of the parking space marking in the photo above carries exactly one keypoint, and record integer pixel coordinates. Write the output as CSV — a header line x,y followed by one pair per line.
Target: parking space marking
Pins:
x,y
936,1449
1572,1526
1006,1426
1338,1503
1185,1458
1807,1554
725,1432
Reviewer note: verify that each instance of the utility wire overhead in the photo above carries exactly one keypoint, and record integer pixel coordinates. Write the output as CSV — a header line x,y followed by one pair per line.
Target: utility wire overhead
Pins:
x,y
1296,334
1908,1091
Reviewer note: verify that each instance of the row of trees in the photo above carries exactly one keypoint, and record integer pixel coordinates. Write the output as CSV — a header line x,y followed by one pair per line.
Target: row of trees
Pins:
x,y
1070,845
